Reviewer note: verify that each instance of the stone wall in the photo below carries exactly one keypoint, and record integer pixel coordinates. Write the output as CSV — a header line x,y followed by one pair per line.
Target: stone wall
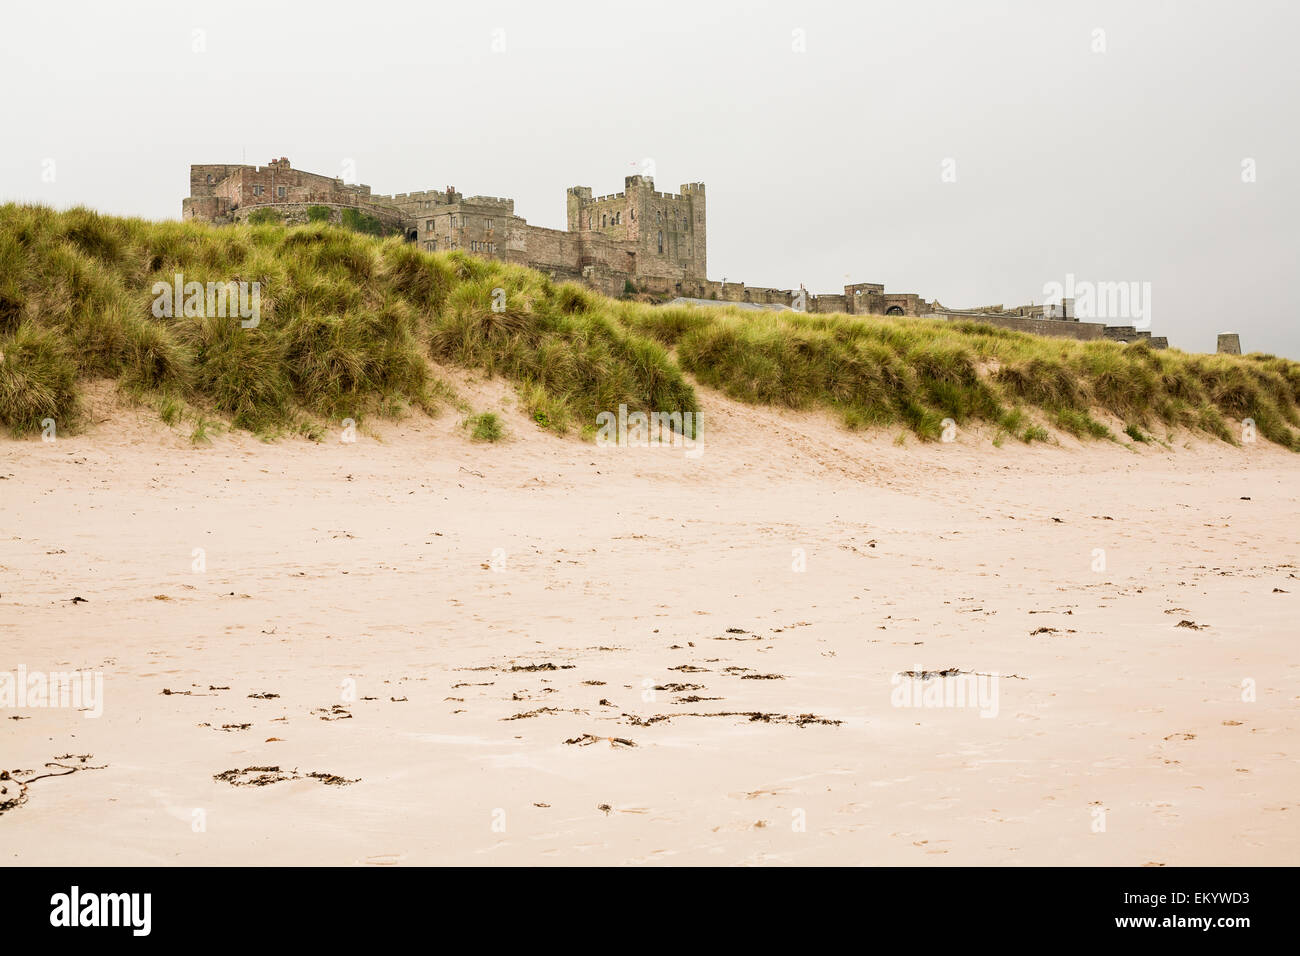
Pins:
x,y
1125,333
1084,331
296,213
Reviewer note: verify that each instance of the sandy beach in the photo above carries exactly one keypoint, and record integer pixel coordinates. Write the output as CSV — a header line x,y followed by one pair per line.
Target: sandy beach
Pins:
x,y
542,651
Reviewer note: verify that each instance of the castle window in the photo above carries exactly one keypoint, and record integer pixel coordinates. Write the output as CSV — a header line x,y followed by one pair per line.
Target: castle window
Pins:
x,y
257,190
604,220
279,191
658,219
661,242
428,226
618,219
489,223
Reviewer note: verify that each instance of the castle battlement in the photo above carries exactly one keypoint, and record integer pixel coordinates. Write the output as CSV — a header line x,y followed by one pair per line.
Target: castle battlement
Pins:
x,y
506,205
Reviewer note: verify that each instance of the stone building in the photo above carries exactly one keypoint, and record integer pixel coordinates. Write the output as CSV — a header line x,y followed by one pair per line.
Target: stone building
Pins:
x,y
228,193
653,240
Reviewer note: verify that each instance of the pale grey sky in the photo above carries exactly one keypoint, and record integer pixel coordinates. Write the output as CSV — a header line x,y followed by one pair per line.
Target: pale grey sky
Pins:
x,y
820,129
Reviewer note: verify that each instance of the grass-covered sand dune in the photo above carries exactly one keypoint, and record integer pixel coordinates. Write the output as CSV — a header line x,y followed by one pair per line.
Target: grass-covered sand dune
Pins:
x,y
352,327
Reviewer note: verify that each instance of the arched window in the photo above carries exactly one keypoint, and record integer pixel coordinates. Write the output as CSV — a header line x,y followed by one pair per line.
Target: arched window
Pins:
x,y
603,220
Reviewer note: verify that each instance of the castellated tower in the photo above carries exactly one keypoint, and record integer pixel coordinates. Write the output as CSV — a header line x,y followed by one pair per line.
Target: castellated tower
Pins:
x,y
668,228
578,195
640,202
663,234
693,193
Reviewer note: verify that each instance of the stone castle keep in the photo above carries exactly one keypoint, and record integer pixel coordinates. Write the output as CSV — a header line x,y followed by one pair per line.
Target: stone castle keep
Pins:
x,y
651,241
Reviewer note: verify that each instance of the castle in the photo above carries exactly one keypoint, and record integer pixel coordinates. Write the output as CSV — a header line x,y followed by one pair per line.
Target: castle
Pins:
x,y
638,240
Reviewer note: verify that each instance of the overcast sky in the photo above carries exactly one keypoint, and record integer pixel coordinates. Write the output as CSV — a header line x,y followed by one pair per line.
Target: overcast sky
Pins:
x,y
822,130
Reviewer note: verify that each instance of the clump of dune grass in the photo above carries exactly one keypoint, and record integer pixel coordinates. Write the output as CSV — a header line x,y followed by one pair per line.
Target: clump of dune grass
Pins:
x,y
355,326
1079,423
562,343
37,380
485,426
170,409
204,429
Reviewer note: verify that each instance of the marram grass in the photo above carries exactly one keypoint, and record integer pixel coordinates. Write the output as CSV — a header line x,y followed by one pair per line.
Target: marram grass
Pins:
x,y
881,371
350,326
